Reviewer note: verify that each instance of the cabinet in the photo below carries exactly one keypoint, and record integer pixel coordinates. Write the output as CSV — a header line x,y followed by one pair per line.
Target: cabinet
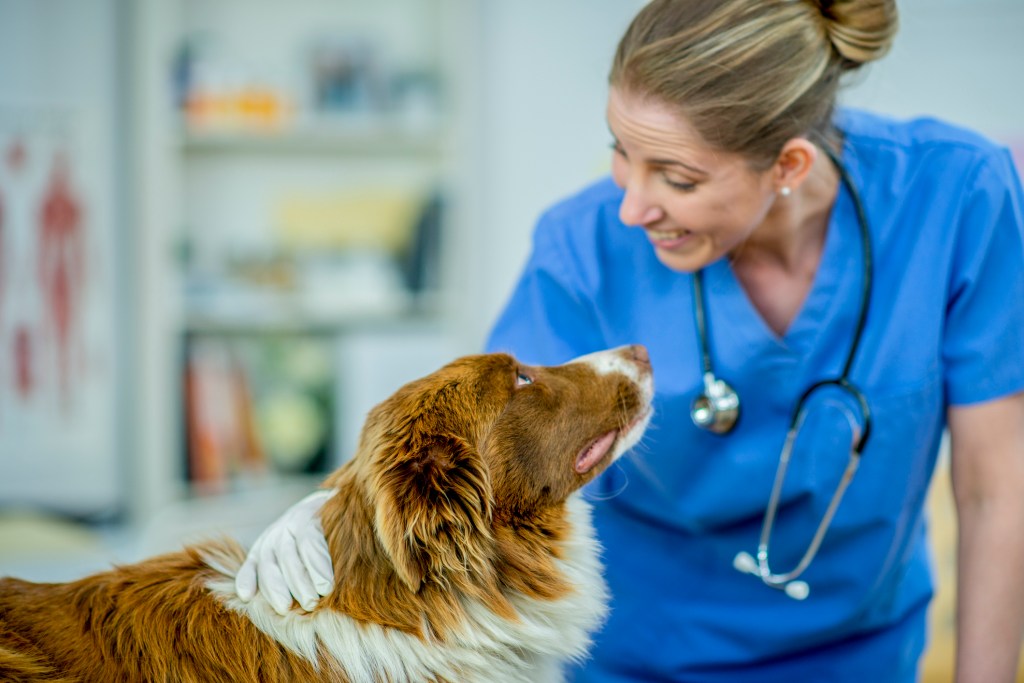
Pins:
x,y
301,173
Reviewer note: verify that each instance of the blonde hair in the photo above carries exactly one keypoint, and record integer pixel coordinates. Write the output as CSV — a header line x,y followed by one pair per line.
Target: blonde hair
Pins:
x,y
751,74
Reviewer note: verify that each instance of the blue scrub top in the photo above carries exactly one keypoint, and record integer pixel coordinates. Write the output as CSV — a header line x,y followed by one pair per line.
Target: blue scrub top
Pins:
x,y
945,326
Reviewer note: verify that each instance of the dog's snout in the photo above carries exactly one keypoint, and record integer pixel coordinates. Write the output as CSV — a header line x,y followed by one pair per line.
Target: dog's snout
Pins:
x,y
637,355
640,355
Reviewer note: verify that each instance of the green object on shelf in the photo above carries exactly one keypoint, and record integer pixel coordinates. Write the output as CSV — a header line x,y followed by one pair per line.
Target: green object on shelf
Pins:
x,y
293,427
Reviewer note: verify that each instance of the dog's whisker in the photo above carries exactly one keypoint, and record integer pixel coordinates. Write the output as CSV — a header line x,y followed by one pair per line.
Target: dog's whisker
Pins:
x,y
589,494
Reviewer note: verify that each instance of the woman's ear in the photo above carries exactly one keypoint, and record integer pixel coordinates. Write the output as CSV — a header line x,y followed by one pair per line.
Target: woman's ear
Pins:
x,y
793,164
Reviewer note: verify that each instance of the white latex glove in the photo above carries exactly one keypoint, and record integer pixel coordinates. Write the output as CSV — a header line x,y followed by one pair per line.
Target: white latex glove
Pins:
x,y
290,558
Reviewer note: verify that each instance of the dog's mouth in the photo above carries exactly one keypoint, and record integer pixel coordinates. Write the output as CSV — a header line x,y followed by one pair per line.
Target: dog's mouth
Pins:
x,y
595,451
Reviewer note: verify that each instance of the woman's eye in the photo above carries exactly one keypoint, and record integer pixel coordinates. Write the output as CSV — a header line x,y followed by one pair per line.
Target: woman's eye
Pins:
x,y
682,186
522,380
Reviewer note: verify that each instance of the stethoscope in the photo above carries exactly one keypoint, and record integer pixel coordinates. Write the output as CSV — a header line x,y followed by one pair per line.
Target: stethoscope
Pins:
x,y
717,410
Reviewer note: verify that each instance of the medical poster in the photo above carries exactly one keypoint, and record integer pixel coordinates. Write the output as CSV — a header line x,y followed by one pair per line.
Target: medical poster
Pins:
x,y
57,311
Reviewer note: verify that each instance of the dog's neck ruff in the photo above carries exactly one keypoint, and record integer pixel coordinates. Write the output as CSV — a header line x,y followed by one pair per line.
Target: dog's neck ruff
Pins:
x,y
487,649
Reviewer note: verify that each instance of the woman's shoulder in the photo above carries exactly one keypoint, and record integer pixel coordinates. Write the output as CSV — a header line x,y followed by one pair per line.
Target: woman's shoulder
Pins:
x,y
911,138
923,158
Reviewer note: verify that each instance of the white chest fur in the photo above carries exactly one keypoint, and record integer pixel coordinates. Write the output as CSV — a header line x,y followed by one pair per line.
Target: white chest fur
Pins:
x,y
488,649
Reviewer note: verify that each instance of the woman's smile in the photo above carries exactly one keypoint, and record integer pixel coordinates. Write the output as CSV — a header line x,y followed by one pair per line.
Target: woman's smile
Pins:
x,y
669,239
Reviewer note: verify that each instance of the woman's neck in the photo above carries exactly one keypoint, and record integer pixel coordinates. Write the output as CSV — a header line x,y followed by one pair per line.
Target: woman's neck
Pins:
x,y
793,232
777,265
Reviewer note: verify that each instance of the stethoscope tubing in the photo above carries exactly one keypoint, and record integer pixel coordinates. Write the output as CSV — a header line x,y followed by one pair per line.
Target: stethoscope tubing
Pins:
x,y
762,568
852,463
846,385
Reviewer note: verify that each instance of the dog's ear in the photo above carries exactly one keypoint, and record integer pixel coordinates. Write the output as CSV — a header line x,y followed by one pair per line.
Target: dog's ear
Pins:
x,y
433,508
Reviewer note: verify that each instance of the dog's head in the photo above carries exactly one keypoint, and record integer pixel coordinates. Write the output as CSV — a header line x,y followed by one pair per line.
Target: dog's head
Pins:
x,y
487,440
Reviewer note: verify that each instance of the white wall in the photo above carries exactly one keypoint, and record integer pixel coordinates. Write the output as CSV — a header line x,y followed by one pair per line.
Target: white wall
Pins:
x,y
543,66
961,60
543,133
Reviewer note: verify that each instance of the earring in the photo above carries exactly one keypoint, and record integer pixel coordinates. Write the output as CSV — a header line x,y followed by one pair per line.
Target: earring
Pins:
x,y
785,191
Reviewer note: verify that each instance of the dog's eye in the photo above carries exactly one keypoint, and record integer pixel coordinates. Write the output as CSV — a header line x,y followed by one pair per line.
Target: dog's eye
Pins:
x,y
523,379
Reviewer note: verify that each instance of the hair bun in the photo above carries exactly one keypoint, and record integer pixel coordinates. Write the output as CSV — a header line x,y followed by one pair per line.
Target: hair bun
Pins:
x,y
860,30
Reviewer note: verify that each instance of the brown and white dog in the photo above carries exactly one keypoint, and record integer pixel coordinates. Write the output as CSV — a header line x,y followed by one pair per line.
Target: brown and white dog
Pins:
x,y
462,547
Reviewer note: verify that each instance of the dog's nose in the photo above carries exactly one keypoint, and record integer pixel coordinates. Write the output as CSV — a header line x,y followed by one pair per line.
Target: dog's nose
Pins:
x,y
639,354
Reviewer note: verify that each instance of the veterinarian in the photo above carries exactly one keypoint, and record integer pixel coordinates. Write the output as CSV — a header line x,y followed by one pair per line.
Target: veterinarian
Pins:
x,y
823,292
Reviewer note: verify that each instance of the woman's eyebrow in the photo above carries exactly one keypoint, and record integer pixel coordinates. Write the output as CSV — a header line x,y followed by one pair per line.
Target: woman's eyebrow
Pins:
x,y
661,162
676,162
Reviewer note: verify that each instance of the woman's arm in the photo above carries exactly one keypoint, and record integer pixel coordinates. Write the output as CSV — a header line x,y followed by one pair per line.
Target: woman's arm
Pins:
x,y
987,444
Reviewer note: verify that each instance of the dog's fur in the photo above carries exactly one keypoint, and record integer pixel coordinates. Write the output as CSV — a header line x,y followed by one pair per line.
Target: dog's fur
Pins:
x,y
462,548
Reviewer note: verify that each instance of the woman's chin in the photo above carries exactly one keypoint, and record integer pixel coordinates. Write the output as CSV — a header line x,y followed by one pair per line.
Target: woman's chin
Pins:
x,y
685,260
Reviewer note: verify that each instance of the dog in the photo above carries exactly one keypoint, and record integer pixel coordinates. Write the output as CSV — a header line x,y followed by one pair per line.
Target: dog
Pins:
x,y
462,546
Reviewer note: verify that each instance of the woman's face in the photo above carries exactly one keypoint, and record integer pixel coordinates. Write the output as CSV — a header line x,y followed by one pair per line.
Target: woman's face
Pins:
x,y
696,204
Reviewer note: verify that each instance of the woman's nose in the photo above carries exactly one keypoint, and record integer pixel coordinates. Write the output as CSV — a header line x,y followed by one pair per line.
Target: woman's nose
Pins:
x,y
637,208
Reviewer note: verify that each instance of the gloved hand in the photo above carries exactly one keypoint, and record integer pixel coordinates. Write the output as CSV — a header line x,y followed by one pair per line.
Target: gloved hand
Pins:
x,y
290,558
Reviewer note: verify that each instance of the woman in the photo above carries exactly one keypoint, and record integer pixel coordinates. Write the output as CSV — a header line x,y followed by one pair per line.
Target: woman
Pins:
x,y
745,227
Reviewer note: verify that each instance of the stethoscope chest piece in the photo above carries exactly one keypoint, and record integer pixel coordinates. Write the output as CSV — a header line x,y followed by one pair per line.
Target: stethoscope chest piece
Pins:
x,y
717,408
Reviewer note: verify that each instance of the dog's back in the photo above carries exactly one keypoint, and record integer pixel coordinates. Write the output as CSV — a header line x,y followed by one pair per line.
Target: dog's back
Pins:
x,y
152,621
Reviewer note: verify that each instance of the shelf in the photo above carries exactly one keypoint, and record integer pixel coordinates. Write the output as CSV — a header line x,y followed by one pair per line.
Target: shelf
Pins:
x,y
323,138
198,324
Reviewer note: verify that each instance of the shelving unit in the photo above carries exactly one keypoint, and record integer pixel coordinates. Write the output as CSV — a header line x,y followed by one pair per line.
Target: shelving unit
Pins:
x,y
254,198
325,138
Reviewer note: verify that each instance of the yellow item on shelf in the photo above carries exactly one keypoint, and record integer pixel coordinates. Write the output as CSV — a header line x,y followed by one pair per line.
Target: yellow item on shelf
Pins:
x,y
370,219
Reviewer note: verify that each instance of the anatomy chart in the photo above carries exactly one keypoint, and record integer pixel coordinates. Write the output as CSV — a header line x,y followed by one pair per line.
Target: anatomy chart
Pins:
x,y
57,303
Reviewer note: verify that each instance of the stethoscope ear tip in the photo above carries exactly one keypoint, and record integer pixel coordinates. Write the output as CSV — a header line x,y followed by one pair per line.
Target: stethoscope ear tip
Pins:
x,y
744,562
798,590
